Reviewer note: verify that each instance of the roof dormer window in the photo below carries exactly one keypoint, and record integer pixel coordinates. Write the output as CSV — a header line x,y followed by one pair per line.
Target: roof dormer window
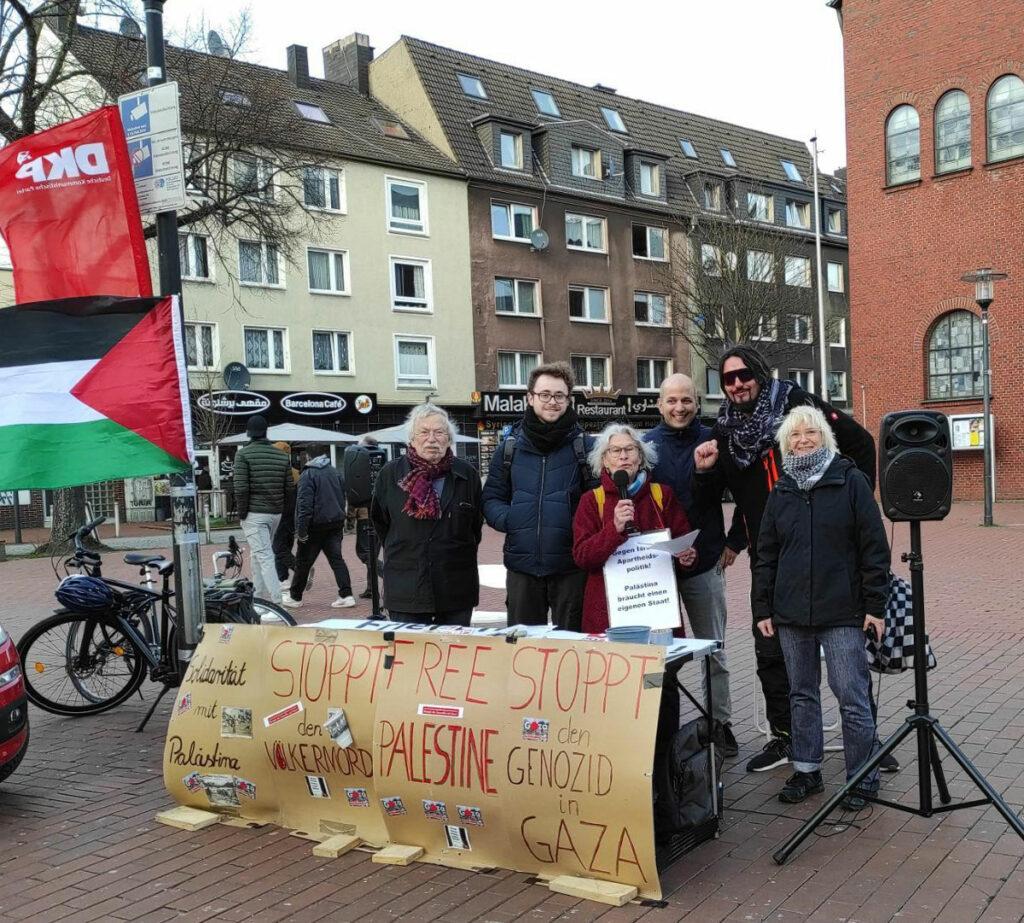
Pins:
x,y
472,86
391,129
546,104
312,113
792,173
727,157
613,120
688,149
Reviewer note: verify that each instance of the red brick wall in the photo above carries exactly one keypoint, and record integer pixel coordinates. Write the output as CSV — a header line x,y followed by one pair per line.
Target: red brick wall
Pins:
x,y
909,245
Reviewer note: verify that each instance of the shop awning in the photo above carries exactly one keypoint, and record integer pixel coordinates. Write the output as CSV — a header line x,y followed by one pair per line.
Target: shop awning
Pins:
x,y
294,435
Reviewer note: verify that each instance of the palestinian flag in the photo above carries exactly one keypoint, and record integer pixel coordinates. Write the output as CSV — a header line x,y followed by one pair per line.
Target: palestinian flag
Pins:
x,y
91,389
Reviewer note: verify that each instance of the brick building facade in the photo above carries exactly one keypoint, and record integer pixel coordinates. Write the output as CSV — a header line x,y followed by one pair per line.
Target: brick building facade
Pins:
x,y
935,147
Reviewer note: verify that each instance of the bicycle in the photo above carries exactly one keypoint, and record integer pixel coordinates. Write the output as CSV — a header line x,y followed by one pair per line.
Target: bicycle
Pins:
x,y
86,662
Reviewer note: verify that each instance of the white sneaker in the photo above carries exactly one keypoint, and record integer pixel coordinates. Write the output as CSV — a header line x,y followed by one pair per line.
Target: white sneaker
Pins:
x,y
286,600
286,585
343,602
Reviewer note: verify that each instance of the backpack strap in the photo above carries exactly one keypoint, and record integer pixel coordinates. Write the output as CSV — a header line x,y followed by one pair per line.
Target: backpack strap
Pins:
x,y
508,449
656,493
599,497
579,448
659,500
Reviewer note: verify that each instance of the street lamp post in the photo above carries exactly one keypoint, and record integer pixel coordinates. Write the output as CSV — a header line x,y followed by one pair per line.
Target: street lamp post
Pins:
x,y
984,289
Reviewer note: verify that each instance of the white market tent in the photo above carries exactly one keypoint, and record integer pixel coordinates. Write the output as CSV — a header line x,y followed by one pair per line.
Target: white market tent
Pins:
x,y
398,434
294,434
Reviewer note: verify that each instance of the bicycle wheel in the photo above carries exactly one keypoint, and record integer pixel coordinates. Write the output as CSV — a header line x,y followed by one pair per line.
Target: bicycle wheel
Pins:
x,y
61,679
271,613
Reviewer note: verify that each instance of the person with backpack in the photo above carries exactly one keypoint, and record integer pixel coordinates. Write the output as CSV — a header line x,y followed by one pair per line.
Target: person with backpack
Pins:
x,y
604,521
537,475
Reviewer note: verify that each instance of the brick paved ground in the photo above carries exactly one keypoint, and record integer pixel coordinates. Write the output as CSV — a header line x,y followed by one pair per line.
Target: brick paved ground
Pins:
x,y
78,841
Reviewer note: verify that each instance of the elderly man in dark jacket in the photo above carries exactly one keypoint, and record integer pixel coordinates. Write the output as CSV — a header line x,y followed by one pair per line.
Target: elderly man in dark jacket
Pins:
x,y
320,526
263,481
426,511
538,473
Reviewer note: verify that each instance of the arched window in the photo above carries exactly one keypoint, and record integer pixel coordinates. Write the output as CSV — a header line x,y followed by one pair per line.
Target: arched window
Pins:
x,y
954,357
952,132
902,146
1006,118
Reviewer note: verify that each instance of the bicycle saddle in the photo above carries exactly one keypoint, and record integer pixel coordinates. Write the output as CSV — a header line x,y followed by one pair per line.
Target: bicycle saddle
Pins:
x,y
143,557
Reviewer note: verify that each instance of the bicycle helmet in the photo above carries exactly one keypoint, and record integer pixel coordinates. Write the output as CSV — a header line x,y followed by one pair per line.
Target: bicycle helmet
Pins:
x,y
81,593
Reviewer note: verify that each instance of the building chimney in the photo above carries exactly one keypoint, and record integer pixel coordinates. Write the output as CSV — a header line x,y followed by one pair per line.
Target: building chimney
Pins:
x,y
348,61
298,66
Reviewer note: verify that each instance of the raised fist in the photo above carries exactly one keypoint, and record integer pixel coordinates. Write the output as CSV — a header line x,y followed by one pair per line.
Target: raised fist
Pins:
x,y
705,456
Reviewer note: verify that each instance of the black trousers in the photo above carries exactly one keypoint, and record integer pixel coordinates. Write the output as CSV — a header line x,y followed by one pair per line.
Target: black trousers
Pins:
x,y
448,617
529,598
284,541
328,540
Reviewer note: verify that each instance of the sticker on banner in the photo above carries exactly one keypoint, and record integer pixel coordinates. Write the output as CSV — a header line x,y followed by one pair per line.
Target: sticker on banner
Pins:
x,y
357,798
457,837
337,727
469,815
393,807
245,787
317,786
184,703
535,729
221,790
435,810
440,711
289,711
193,782
226,631
235,722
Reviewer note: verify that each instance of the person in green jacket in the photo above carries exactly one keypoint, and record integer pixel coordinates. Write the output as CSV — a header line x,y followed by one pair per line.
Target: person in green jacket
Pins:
x,y
263,482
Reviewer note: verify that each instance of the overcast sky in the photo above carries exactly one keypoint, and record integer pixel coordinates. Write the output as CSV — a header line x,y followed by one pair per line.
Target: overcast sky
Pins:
x,y
774,65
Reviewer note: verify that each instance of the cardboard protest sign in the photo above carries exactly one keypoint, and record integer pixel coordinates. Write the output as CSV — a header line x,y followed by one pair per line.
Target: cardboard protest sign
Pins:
x,y
640,584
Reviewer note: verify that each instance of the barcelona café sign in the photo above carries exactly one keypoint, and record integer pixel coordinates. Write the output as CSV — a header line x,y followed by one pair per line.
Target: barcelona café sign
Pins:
x,y
300,403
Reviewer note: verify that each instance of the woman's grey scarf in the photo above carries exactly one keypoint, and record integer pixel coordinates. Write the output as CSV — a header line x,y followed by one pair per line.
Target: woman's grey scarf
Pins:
x,y
807,469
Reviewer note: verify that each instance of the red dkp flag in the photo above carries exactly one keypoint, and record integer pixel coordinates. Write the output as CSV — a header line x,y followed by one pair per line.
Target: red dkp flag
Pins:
x,y
69,213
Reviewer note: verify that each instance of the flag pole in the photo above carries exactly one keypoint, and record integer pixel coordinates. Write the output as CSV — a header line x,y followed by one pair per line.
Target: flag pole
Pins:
x,y
187,567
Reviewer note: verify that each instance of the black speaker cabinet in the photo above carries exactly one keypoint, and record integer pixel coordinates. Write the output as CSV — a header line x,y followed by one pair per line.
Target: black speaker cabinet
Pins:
x,y
360,467
915,466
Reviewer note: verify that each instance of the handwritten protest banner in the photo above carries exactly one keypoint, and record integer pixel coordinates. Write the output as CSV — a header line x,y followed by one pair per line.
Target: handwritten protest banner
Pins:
x,y
640,584
534,756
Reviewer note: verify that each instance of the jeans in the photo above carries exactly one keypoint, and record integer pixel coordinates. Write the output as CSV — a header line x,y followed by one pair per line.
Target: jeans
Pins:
x,y
259,529
848,678
327,540
528,598
704,598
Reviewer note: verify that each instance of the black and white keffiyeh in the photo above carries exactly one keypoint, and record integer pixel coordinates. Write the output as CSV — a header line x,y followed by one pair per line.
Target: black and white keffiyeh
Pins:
x,y
749,435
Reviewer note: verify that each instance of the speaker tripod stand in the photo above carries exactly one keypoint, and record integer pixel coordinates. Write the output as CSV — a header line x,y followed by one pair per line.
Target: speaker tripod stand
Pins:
x,y
927,730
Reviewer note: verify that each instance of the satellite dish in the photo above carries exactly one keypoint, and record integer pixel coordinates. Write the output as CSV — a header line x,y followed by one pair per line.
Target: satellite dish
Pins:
x,y
236,376
216,45
539,239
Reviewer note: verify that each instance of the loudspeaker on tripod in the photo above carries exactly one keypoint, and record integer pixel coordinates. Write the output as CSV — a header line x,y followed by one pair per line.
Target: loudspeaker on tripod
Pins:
x,y
915,466
359,469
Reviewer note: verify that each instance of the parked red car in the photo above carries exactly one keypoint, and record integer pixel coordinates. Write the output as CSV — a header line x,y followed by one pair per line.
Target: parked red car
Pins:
x,y
13,708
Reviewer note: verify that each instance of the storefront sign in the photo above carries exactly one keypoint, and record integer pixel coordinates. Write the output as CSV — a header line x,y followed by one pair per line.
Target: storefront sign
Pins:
x,y
288,406
233,403
595,409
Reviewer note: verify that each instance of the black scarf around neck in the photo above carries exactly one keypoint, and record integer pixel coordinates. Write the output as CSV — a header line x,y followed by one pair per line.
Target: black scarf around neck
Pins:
x,y
546,437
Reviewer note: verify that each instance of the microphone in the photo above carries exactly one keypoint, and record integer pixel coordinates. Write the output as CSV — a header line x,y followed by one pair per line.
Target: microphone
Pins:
x,y
621,480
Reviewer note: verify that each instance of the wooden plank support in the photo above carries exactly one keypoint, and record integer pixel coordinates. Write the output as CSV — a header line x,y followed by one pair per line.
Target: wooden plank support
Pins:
x,y
606,892
336,846
190,819
396,854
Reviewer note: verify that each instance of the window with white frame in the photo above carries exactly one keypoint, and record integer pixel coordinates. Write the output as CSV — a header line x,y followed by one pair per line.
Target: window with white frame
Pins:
x,y
650,243
266,348
760,266
799,329
410,284
791,171
197,168
588,303
585,232
834,220
727,157
804,379
650,308
760,207
472,85
837,332
516,296
713,383
193,253
414,362
650,178
323,189
252,176
837,387
767,329
586,162
332,352
650,373
798,214
836,282
711,259
312,112
511,147
407,206
590,371
713,197
259,263
514,368
1004,107
201,347
512,221
545,102
710,322
798,271
613,120
328,271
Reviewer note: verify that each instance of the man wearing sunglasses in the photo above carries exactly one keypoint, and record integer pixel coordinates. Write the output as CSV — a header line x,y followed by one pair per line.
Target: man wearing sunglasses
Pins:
x,y
538,474
743,457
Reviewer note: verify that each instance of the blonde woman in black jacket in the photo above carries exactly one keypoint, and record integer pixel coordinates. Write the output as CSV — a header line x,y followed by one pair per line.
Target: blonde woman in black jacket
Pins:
x,y
821,580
